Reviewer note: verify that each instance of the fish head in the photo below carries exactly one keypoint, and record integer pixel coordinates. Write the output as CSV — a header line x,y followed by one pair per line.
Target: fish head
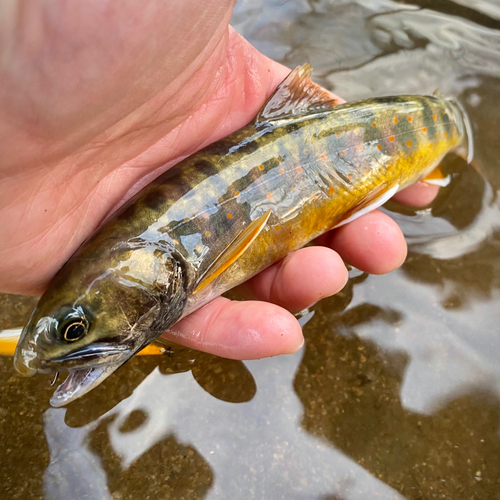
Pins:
x,y
90,325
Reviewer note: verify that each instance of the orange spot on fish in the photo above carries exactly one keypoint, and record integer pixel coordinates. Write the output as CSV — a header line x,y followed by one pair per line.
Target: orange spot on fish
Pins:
x,y
278,227
186,219
237,193
281,171
446,134
331,190
338,134
443,111
269,196
342,153
424,130
389,168
229,216
349,177
299,169
261,167
315,197
249,188
437,135
410,119
176,242
359,147
291,208
392,138
323,157
379,147
374,124
306,151
434,117
367,171
207,234
356,131
198,249
396,120
408,143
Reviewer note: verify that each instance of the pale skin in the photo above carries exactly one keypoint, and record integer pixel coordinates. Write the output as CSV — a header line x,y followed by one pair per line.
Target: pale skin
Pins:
x,y
97,99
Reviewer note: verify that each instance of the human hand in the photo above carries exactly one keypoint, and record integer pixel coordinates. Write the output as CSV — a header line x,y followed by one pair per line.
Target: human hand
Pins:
x,y
96,101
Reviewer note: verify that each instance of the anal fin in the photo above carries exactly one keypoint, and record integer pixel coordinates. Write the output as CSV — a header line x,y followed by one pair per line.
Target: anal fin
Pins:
x,y
370,205
437,178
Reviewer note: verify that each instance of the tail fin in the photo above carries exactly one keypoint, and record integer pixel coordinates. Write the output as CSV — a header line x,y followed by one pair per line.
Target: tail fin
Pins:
x,y
464,117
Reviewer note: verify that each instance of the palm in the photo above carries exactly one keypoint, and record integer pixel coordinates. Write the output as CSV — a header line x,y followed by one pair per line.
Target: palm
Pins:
x,y
81,130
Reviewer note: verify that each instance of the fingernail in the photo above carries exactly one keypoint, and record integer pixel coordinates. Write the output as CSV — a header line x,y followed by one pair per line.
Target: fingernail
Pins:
x,y
299,347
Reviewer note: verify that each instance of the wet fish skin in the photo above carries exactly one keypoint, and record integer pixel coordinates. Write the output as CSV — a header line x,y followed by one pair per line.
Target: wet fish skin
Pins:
x,y
311,170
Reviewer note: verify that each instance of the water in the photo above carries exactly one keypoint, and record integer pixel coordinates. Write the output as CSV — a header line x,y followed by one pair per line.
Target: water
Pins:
x,y
397,391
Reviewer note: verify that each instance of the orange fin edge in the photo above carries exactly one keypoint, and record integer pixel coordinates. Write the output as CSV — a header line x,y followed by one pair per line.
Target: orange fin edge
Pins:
x,y
234,251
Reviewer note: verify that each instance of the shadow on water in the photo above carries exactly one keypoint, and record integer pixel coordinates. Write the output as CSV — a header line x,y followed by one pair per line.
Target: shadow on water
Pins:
x,y
82,463
174,469
350,390
224,379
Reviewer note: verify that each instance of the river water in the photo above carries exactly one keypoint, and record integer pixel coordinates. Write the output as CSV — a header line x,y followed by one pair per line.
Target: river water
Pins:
x,y
396,393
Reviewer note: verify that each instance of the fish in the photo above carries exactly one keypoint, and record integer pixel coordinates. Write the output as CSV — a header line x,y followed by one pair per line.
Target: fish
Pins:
x,y
303,166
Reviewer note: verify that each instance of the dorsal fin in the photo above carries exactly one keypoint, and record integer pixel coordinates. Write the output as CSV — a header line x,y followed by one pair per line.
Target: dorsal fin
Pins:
x,y
234,251
297,95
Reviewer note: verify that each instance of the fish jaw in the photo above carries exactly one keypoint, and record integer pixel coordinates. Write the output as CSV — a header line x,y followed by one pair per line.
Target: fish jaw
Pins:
x,y
80,381
103,360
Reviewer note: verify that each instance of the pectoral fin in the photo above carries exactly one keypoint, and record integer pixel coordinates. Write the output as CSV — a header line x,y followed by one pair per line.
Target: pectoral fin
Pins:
x,y
234,251
437,178
296,96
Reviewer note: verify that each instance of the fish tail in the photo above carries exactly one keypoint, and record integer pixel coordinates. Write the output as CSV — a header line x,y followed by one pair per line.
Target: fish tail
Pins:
x,y
463,123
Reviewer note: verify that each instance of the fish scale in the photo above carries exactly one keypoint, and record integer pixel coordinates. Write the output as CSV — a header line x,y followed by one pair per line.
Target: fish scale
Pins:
x,y
220,216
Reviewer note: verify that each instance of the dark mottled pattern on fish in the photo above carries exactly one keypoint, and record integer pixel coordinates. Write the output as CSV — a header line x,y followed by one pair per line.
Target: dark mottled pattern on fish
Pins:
x,y
310,173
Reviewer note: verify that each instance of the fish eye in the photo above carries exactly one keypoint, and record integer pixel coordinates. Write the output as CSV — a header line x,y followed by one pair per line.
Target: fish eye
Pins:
x,y
71,324
74,331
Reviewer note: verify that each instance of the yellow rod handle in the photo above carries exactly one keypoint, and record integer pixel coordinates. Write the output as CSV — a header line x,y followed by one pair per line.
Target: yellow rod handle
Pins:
x,y
10,338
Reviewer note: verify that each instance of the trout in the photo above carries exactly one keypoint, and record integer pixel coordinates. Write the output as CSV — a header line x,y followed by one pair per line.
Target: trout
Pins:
x,y
303,166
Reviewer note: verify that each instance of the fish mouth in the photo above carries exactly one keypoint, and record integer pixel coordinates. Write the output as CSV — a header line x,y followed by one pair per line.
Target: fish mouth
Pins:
x,y
99,362
80,381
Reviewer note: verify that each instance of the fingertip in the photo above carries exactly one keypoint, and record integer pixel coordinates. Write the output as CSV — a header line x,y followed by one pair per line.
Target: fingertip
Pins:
x,y
300,280
239,330
373,243
420,194
307,276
